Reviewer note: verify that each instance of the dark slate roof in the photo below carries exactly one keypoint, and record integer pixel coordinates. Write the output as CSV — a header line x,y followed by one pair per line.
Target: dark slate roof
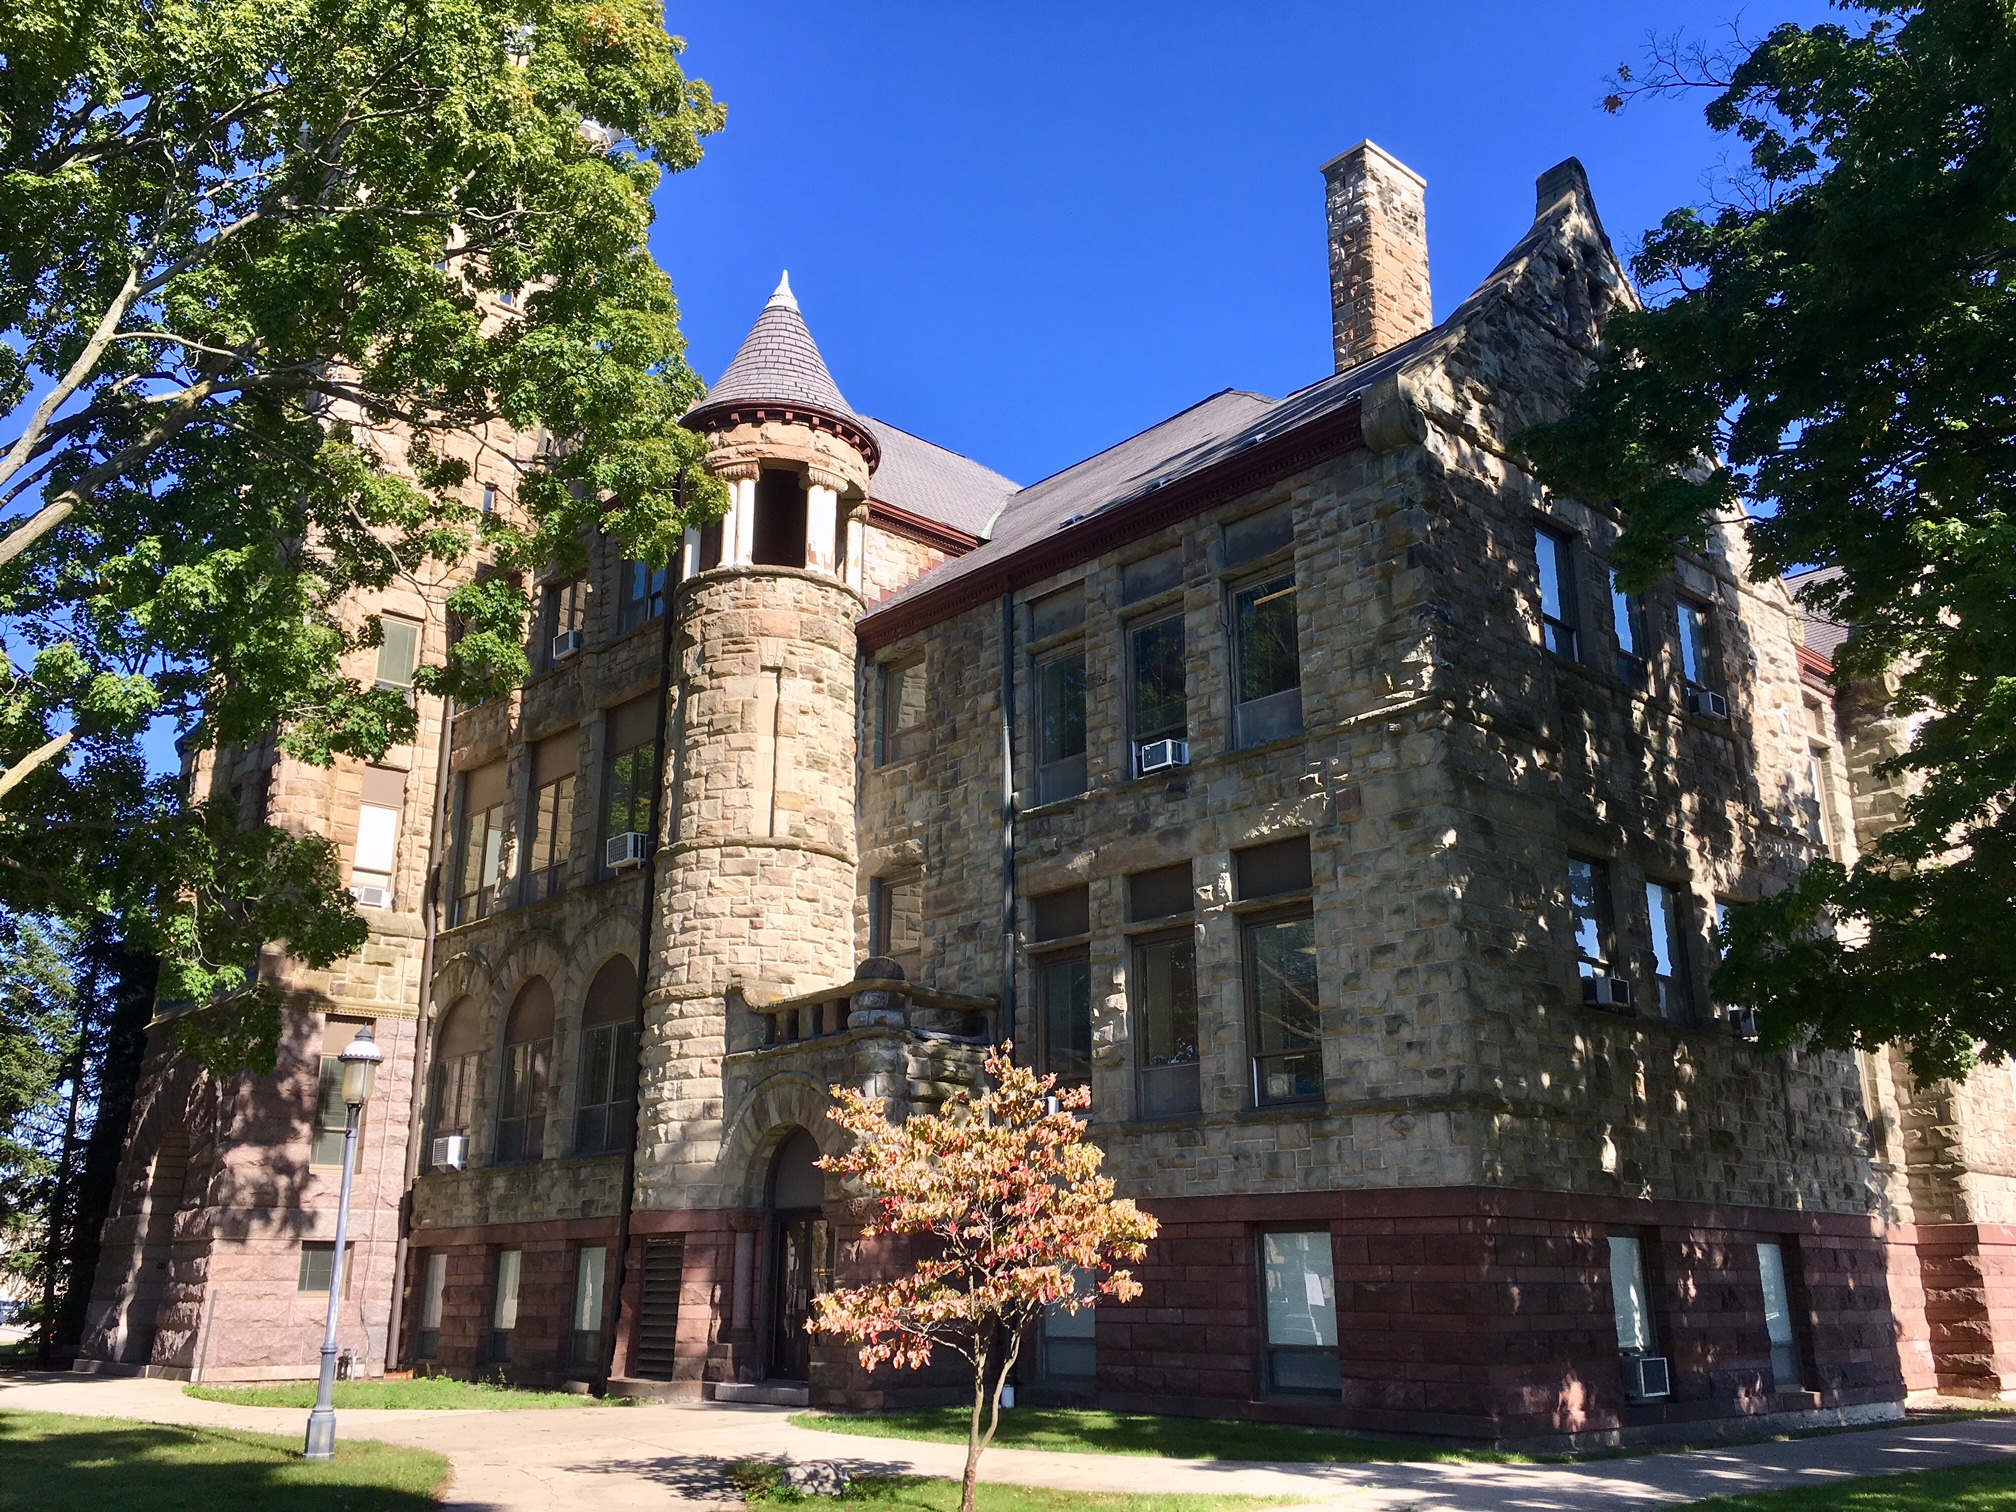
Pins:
x,y
779,361
1187,443
938,484
1824,636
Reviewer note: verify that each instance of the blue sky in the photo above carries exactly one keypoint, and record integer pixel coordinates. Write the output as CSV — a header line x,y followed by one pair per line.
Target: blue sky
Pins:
x,y
1027,231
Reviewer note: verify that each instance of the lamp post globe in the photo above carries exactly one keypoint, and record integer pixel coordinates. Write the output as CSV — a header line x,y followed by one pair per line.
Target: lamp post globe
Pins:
x,y
359,1061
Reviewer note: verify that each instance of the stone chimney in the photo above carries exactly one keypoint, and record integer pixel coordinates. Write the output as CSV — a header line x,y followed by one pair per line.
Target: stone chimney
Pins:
x,y
1378,253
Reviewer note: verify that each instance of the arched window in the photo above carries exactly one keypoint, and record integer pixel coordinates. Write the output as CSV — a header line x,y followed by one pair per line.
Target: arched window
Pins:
x,y
603,1114
458,1044
528,1061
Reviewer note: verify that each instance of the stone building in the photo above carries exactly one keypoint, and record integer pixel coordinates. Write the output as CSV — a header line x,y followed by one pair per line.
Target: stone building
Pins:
x,y
1290,774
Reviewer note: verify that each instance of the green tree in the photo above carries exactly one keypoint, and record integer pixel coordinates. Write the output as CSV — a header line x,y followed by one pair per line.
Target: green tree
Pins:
x,y
259,264
1829,354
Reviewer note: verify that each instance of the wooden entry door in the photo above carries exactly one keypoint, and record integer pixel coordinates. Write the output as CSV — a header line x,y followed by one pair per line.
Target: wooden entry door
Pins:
x,y
801,1267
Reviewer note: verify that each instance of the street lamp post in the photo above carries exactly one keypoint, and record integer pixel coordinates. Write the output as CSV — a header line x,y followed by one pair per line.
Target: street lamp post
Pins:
x,y
359,1060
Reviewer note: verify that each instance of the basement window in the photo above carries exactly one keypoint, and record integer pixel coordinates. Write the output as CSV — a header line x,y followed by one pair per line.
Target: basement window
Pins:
x,y
1299,1287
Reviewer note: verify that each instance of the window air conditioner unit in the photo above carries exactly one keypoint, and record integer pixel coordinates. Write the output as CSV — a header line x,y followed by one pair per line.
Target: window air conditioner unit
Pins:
x,y
624,851
1160,755
1606,991
372,897
1647,1378
565,644
1742,1022
451,1152
1712,705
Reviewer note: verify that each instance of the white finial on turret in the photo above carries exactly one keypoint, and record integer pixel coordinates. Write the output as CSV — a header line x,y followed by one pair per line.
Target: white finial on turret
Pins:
x,y
783,299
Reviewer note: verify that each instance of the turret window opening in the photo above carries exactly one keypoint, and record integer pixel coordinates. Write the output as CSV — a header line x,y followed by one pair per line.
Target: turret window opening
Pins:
x,y
779,536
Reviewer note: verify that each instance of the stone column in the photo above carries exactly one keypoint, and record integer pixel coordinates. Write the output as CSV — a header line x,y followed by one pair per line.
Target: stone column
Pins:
x,y
857,544
822,519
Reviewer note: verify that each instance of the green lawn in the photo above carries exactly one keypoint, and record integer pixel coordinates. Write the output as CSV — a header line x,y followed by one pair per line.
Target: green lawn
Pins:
x,y
48,1460
436,1394
759,1481
1973,1488
1083,1431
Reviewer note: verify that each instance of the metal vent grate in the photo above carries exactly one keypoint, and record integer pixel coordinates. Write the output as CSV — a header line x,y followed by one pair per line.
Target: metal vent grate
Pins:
x,y
658,1309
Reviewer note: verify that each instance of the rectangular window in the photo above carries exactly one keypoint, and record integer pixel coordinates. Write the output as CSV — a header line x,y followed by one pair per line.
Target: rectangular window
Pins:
x,y
1559,621
1266,649
1280,961
371,867
903,733
1060,727
590,1272
629,773
1259,535
1778,1318
1057,613
433,1290
1269,871
318,1258
1164,983
1820,774
1069,1349
563,619
481,873
1060,915
454,1094
1151,575
896,922
1158,677
552,815
1160,894
1064,1003
1630,1301
1589,908
1666,904
602,1116
398,652
643,594
1627,613
504,1304
1299,1286
332,1116
489,498
1697,661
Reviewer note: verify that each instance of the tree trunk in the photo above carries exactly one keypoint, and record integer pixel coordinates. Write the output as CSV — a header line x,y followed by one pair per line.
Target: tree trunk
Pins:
x,y
982,1355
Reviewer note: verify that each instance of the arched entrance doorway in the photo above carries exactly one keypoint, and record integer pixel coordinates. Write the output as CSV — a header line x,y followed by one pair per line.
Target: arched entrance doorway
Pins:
x,y
801,1254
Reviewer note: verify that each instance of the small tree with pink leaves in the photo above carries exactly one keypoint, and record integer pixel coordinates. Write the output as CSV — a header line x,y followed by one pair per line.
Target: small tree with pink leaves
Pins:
x,y
1022,1222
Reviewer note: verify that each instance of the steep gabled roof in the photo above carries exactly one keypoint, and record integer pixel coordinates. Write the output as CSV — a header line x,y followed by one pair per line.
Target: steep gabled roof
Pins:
x,y
1824,636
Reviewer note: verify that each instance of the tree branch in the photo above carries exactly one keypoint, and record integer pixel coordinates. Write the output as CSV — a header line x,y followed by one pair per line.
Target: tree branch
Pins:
x,y
40,756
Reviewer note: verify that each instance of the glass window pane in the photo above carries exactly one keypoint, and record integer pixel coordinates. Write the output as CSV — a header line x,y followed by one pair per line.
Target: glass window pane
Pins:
x,y
1268,648
1586,883
1628,1295
504,1313
1156,574
377,835
1062,694
331,1116
1626,610
1165,979
1777,1296
1066,988
588,1279
1301,1289
1283,956
1548,550
1160,683
1693,643
433,1289
399,652
1257,535
1160,894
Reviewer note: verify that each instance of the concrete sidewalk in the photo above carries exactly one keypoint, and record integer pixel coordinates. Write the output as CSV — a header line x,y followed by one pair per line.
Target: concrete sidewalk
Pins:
x,y
633,1457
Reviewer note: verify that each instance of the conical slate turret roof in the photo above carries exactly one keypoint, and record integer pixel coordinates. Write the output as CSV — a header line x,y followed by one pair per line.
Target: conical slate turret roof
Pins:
x,y
779,363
